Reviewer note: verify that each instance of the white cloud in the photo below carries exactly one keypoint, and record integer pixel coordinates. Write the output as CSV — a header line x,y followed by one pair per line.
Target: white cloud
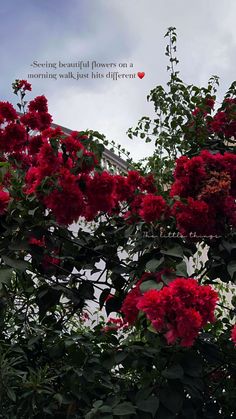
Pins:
x,y
131,31
206,38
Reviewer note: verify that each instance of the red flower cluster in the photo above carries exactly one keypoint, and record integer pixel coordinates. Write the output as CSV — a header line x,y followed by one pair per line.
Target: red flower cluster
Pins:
x,y
49,261
114,324
207,186
23,84
233,335
4,200
100,193
37,117
88,194
129,306
66,192
152,208
178,310
13,136
59,168
140,192
68,178
7,112
224,121
37,242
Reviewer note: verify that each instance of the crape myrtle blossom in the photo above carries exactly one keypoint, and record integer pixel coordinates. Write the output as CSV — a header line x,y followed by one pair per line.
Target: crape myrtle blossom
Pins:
x,y
59,168
62,174
178,310
205,124
204,188
129,307
4,200
233,335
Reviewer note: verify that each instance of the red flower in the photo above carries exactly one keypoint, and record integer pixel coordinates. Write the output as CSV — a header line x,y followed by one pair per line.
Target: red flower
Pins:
x,y
14,138
148,184
153,305
152,208
31,120
38,104
32,179
188,324
132,216
208,185
233,335
23,84
113,324
210,102
49,162
100,193
20,159
4,200
37,242
129,306
67,202
45,120
72,145
196,111
179,310
35,143
122,188
189,175
89,161
50,262
134,179
188,216
7,112
52,133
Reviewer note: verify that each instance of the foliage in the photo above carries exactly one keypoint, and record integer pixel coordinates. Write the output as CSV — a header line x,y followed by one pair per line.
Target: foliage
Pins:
x,y
147,229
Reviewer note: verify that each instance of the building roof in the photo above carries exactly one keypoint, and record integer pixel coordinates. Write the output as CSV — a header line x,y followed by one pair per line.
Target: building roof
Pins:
x,y
108,156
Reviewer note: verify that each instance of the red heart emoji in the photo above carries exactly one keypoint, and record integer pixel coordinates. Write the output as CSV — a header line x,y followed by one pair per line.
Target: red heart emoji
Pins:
x,y
141,75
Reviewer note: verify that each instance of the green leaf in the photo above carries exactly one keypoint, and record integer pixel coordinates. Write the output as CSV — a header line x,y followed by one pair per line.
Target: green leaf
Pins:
x,y
151,328
47,298
19,245
5,275
231,268
11,394
164,413
171,399
173,372
98,404
18,264
120,356
153,264
129,231
103,296
192,364
113,305
175,251
59,398
181,269
33,211
148,285
150,405
105,409
86,290
123,409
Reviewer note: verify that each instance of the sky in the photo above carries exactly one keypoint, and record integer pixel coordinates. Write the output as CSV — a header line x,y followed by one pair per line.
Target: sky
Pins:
x,y
118,32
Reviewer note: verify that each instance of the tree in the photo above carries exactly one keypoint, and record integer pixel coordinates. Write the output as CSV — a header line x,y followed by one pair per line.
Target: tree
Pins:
x,y
170,351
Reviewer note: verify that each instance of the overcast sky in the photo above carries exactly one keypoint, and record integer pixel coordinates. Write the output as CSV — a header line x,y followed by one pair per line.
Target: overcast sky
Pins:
x,y
115,31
